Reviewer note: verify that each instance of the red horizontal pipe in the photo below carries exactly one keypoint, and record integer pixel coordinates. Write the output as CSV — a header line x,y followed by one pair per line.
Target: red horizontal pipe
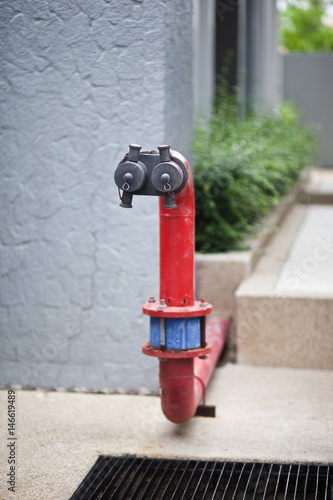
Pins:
x,y
183,381
177,246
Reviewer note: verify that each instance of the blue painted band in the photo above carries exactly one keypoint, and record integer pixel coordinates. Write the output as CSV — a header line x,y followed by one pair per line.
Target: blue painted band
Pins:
x,y
180,333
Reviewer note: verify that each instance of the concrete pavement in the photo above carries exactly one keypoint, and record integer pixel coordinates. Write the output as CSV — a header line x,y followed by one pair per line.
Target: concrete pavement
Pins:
x,y
264,414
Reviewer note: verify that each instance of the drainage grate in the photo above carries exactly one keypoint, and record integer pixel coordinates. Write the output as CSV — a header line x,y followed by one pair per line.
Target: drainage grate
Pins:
x,y
136,478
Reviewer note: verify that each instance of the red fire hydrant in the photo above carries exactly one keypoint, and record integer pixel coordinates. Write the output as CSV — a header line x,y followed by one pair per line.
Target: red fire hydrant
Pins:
x,y
188,348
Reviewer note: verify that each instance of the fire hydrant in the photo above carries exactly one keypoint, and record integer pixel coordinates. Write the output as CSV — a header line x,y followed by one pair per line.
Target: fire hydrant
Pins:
x,y
188,348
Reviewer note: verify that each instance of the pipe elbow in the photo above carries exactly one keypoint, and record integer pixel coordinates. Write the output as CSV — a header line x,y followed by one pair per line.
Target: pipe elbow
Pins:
x,y
177,389
183,381
178,412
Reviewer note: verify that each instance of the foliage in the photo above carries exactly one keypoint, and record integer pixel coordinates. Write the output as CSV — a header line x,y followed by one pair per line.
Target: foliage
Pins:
x,y
243,166
302,28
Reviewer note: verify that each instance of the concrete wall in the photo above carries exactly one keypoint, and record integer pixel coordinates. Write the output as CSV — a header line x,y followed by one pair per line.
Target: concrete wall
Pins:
x,y
259,63
80,81
204,56
308,81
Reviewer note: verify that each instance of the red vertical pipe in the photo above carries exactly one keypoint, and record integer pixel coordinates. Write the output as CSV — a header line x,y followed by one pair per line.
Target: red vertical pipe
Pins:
x,y
177,246
183,381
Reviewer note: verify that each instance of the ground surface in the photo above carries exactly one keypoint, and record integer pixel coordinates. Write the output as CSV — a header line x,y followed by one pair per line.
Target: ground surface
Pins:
x,y
264,414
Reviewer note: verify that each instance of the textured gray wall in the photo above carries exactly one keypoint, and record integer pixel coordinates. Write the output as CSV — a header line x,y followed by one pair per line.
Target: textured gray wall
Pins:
x,y
308,81
80,80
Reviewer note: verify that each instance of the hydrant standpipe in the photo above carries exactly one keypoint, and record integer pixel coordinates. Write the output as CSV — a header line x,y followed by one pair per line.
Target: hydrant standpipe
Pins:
x,y
188,348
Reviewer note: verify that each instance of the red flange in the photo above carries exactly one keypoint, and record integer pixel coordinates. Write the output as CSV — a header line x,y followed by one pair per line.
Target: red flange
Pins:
x,y
200,308
175,354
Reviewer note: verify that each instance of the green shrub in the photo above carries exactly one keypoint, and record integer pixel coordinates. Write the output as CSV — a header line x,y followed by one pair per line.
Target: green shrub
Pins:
x,y
302,29
242,168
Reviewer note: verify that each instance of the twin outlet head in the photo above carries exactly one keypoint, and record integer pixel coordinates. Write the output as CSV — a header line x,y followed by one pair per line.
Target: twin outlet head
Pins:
x,y
150,173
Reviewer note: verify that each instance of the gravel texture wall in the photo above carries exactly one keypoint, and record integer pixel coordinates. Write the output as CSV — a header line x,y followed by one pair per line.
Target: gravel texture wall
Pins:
x,y
80,80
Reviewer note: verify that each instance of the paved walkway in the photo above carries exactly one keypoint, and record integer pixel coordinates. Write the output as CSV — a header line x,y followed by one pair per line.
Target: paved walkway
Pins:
x,y
263,414
299,258
309,264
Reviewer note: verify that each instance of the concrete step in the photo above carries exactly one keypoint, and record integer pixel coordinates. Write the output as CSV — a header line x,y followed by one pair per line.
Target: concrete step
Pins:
x,y
318,186
285,308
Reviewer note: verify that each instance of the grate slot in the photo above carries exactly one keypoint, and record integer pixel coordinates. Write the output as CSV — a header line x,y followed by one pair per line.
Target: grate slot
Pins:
x,y
296,482
199,481
142,478
170,480
109,481
85,486
184,496
131,483
287,485
218,482
248,481
209,482
257,483
306,483
327,481
317,483
238,482
180,481
267,482
105,472
122,481
228,482
158,486
151,482
277,483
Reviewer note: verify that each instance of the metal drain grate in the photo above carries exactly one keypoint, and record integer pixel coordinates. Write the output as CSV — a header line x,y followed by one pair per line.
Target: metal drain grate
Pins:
x,y
129,478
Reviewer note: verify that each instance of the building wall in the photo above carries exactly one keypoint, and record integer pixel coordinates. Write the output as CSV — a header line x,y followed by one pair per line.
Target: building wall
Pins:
x,y
204,55
259,63
80,81
178,99
308,81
